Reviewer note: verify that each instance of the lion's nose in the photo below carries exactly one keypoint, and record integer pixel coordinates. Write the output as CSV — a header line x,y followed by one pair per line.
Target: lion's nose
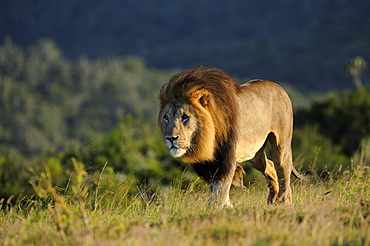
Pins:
x,y
171,139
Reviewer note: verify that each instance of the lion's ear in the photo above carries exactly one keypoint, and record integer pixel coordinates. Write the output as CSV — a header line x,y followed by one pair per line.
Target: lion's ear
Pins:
x,y
202,96
204,100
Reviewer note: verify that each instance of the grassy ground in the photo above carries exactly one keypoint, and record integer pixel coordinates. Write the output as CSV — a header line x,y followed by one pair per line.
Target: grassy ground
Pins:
x,y
332,212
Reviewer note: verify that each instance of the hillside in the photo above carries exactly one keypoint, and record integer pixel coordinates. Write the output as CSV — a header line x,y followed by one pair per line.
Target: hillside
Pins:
x,y
305,43
49,103
54,110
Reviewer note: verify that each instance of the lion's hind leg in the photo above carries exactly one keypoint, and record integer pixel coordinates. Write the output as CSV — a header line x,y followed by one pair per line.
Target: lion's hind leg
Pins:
x,y
264,165
238,177
282,155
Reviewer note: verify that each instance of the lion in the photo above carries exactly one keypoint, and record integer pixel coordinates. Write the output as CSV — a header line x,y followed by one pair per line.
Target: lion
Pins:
x,y
209,120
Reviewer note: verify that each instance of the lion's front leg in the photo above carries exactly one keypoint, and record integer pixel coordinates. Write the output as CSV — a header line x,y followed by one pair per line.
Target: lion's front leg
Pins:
x,y
219,175
220,193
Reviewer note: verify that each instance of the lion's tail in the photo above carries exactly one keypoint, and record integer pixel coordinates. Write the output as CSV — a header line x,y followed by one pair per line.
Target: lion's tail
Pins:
x,y
309,174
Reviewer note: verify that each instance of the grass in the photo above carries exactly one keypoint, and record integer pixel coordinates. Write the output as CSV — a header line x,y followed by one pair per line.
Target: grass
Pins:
x,y
97,211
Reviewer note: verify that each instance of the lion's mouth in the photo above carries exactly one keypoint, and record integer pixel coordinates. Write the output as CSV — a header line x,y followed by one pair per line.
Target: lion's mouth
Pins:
x,y
175,149
176,152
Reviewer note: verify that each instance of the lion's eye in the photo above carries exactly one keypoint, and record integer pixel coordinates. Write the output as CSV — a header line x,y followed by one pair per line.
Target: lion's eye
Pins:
x,y
165,118
185,118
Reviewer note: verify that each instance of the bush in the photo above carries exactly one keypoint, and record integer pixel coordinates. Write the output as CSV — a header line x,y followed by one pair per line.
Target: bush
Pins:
x,y
135,152
342,117
311,150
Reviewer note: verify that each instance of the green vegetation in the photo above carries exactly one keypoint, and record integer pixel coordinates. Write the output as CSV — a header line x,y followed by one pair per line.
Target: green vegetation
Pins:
x,y
102,112
343,117
48,103
82,163
97,209
81,159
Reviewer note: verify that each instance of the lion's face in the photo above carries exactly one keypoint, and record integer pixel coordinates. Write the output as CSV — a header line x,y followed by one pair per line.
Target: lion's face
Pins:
x,y
179,125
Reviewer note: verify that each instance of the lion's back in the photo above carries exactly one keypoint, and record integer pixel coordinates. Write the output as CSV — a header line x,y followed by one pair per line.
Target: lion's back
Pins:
x,y
264,107
268,92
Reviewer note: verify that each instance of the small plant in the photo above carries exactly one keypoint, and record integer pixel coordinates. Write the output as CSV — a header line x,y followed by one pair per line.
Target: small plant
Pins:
x,y
355,68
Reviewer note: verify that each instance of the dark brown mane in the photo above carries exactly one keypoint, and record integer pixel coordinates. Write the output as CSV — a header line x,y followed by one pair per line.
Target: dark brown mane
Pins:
x,y
219,101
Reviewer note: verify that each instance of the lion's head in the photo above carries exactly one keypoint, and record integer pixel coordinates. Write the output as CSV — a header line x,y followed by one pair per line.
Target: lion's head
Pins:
x,y
197,111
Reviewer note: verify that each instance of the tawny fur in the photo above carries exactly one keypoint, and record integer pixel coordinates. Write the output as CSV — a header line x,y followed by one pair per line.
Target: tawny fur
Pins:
x,y
209,120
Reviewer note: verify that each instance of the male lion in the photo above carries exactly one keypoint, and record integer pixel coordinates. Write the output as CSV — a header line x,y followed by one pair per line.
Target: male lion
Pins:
x,y
209,120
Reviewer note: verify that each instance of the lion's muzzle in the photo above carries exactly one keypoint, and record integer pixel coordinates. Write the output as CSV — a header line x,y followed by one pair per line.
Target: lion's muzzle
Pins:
x,y
173,145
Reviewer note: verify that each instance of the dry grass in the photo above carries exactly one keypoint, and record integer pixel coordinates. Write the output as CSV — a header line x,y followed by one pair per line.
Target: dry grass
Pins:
x,y
334,212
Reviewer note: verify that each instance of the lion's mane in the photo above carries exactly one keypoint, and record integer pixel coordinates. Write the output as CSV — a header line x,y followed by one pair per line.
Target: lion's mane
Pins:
x,y
212,94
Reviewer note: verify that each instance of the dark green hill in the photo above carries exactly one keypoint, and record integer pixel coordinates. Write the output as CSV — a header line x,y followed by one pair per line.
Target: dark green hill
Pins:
x,y
49,103
306,43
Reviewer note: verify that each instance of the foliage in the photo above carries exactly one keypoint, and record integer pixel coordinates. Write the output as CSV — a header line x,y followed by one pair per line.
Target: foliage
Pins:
x,y
14,177
90,211
55,111
132,152
342,117
313,151
48,103
135,152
